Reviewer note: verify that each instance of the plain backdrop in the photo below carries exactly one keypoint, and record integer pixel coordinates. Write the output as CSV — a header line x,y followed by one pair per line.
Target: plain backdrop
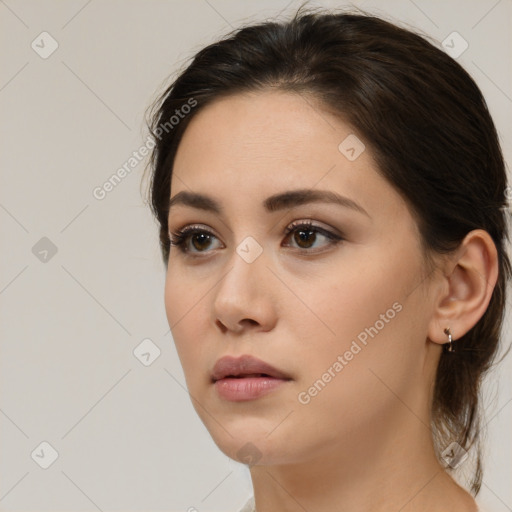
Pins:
x,y
81,278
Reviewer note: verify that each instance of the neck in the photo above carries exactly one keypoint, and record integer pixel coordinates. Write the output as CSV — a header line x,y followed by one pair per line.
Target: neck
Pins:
x,y
392,469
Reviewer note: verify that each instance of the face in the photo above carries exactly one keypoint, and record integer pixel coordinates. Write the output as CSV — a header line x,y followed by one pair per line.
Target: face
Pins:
x,y
333,294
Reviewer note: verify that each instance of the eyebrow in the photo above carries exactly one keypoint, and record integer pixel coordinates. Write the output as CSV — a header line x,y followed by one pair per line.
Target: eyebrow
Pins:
x,y
281,201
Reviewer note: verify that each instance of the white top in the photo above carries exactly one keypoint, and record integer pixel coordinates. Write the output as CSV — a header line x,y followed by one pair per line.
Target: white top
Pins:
x,y
249,505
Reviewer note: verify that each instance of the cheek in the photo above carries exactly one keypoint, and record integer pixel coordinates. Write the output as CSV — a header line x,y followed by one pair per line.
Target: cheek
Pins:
x,y
185,295
364,317
185,304
174,308
366,298
348,378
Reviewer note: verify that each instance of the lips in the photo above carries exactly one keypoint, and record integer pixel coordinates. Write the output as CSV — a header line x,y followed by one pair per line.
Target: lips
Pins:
x,y
245,366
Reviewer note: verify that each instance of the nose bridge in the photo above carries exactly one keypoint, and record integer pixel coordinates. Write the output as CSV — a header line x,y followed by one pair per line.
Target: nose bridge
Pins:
x,y
247,269
244,293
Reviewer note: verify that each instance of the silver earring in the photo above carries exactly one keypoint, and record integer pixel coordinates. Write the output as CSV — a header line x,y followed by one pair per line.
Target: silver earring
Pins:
x,y
449,334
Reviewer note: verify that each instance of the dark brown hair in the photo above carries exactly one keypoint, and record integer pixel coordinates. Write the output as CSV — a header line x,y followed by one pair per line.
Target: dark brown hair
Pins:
x,y
429,131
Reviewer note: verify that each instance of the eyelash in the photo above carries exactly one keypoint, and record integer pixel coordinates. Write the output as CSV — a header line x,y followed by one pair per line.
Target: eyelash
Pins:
x,y
179,238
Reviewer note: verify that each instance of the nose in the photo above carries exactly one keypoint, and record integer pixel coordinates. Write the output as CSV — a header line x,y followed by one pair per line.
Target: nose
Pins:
x,y
244,299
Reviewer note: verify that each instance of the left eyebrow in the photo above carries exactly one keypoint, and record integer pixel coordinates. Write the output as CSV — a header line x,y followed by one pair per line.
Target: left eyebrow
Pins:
x,y
304,196
280,201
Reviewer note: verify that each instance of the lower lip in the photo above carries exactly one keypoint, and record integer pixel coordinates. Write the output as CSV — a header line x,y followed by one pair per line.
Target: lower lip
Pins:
x,y
246,388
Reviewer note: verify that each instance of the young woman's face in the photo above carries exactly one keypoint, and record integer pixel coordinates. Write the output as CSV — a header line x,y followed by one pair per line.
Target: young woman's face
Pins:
x,y
341,307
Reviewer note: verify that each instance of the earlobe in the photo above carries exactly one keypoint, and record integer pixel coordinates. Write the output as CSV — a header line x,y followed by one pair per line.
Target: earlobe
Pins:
x,y
470,277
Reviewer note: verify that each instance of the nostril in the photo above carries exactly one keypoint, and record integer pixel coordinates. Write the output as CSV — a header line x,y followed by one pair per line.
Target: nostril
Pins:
x,y
221,326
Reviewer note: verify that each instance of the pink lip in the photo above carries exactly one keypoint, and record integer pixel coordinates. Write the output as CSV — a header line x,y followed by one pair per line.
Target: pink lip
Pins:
x,y
229,366
237,379
246,388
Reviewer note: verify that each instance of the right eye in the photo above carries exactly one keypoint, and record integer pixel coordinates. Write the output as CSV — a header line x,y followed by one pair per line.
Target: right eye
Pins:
x,y
192,239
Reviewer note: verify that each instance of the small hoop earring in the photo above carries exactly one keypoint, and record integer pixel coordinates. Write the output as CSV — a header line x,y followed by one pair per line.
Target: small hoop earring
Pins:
x,y
450,344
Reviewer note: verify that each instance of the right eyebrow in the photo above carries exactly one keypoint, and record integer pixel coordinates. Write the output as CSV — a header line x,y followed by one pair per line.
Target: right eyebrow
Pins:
x,y
195,200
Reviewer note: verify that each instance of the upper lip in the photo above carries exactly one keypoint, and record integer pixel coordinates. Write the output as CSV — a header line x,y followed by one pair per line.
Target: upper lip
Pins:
x,y
231,366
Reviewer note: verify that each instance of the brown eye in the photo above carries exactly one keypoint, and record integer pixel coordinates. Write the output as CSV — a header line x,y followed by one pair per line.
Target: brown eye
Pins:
x,y
305,236
192,239
201,241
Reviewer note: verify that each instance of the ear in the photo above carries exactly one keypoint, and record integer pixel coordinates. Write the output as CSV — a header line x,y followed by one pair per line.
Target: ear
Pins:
x,y
469,279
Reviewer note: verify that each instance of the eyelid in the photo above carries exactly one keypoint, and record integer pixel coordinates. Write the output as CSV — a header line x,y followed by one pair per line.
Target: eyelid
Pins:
x,y
193,227
310,223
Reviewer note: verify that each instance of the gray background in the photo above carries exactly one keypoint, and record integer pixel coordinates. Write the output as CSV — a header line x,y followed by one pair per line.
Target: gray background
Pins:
x,y
126,434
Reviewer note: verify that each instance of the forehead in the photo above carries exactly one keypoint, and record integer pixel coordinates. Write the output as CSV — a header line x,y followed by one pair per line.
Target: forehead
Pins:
x,y
253,145
266,126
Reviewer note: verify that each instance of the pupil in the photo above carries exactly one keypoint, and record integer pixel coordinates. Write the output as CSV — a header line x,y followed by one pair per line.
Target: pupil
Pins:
x,y
203,238
303,237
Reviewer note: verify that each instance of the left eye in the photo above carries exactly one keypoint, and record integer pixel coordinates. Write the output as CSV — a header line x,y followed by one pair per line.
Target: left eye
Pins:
x,y
304,234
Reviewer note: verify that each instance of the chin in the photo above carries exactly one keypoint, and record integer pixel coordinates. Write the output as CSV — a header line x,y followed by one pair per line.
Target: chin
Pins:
x,y
253,447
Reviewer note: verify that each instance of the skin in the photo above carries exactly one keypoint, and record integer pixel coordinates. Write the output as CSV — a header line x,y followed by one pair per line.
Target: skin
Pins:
x,y
364,440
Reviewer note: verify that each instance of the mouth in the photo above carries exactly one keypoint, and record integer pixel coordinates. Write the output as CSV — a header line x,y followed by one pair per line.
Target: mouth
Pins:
x,y
242,388
246,366
246,378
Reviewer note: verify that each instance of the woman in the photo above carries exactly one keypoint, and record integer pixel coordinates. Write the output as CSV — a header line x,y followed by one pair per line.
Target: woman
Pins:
x,y
330,193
